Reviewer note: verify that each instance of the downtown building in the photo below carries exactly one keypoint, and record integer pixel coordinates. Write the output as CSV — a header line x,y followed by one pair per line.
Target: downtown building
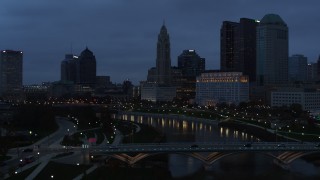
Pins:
x,y
272,51
222,87
158,86
78,75
308,98
190,65
238,47
11,74
272,57
298,68
79,70
313,71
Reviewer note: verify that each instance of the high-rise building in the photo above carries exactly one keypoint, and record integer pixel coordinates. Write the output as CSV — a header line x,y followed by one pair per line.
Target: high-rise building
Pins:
x,y
312,72
163,62
159,84
69,68
238,47
298,68
318,69
11,73
191,63
86,68
272,51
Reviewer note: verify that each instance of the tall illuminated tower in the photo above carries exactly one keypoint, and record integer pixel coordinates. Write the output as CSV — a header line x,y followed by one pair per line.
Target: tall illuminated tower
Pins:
x,y
163,62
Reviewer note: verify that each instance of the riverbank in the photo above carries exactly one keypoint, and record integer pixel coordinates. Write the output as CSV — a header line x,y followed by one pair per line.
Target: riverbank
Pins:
x,y
259,132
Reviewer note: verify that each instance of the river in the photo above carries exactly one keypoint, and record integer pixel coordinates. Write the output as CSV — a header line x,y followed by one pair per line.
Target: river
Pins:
x,y
243,165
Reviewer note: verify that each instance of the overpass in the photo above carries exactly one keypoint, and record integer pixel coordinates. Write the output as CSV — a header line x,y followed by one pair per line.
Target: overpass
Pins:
x,y
208,153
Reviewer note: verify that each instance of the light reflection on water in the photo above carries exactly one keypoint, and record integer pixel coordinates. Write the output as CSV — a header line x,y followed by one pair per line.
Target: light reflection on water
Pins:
x,y
199,130
189,131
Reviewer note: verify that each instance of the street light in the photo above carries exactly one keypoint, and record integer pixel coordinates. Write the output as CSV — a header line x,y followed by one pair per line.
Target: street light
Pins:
x,y
38,156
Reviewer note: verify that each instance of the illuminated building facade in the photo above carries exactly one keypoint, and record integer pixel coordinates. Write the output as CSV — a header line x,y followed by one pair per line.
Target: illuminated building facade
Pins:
x,y
11,73
218,87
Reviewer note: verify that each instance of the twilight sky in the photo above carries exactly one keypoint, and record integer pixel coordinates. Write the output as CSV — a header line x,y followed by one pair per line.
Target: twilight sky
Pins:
x,y
123,33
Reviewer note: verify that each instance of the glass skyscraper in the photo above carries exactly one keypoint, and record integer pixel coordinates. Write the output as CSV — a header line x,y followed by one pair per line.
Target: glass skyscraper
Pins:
x,y
272,51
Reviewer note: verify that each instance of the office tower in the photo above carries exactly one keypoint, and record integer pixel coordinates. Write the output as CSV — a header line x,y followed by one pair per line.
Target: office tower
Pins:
x,y
86,68
163,62
238,47
10,73
158,86
191,63
312,72
272,51
298,68
69,68
318,69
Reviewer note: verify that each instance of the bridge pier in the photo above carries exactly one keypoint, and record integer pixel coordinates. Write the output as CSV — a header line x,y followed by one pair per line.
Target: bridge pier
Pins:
x,y
207,167
281,164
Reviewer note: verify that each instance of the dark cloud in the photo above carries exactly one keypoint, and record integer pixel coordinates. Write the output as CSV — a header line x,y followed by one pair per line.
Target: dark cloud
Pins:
x,y
123,33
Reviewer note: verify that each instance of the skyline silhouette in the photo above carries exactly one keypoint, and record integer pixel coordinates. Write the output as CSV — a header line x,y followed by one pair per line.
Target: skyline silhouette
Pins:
x,y
123,34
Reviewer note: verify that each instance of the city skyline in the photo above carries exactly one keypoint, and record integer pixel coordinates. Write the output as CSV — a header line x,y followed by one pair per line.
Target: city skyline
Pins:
x,y
124,32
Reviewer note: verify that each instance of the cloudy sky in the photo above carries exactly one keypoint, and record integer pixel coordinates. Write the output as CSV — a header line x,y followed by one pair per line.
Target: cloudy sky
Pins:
x,y
123,33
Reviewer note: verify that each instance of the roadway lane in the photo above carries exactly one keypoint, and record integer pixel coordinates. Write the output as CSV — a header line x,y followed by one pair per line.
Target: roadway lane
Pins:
x,y
52,141
183,147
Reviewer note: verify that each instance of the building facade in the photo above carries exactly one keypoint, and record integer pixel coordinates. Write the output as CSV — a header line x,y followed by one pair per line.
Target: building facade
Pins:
x,y
272,51
312,72
309,99
298,65
158,86
79,70
238,47
218,87
86,68
11,73
191,64
155,92
69,68
163,61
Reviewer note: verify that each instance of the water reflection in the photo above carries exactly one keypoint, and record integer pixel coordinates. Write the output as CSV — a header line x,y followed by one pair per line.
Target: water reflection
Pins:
x,y
183,130
201,132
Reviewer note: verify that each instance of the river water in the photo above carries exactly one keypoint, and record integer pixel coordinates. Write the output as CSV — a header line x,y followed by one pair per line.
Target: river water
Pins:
x,y
237,166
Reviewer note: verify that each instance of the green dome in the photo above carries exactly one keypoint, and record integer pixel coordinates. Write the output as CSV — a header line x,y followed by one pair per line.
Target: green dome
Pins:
x,y
272,19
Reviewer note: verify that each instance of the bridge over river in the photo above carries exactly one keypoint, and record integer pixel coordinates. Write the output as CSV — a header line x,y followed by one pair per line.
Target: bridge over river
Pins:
x,y
208,153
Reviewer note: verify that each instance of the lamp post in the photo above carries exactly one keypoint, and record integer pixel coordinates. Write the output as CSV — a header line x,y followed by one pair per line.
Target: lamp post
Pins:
x,y
38,156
